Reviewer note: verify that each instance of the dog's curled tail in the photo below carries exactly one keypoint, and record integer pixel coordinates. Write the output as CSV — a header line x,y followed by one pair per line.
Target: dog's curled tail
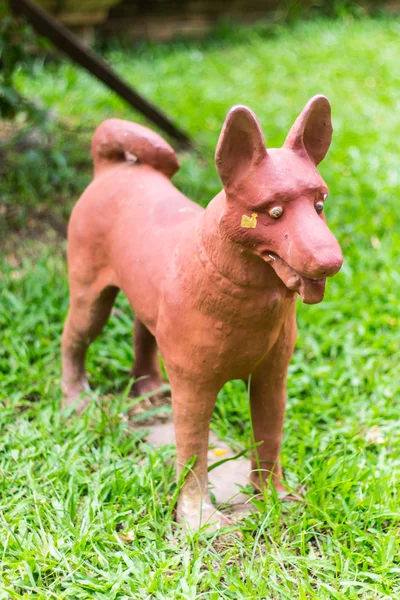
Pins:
x,y
115,141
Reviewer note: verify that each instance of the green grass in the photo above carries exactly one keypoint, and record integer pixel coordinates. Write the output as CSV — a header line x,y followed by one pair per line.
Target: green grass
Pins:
x,y
86,506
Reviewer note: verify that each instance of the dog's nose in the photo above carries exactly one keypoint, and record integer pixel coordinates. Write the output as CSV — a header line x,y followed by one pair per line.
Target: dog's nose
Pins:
x,y
328,261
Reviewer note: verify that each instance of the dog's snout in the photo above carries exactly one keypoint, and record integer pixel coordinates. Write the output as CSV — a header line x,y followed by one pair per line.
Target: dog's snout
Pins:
x,y
327,262
314,251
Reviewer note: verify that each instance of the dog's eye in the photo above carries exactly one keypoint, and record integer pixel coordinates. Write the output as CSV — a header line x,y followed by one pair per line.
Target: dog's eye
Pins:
x,y
275,212
319,207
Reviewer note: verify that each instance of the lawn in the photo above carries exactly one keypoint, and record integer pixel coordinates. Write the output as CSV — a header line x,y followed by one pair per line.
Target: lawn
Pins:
x,y
86,505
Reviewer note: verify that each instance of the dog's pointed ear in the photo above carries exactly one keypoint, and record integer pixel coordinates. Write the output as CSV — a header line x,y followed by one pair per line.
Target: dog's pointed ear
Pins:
x,y
241,145
312,130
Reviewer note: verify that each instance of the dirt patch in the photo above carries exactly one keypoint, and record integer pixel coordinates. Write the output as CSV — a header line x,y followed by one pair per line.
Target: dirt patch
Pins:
x,y
151,411
40,229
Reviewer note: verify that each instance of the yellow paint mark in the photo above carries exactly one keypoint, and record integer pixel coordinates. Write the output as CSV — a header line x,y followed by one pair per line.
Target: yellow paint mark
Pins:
x,y
219,451
249,222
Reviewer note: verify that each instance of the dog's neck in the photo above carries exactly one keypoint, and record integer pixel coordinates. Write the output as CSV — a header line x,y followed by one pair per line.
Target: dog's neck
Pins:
x,y
229,261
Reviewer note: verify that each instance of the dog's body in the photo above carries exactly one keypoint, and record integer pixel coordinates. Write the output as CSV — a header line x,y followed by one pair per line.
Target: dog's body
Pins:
x,y
215,289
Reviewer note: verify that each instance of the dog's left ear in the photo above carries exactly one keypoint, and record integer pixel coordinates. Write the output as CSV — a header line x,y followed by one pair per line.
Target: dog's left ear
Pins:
x,y
312,130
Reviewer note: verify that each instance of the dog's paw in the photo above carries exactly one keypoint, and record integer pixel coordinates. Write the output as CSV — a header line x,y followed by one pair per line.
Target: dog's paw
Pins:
x,y
194,515
76,395
154,387
281,490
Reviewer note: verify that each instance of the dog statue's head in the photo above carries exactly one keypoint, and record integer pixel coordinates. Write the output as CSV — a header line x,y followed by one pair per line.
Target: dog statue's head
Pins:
x,y
275,198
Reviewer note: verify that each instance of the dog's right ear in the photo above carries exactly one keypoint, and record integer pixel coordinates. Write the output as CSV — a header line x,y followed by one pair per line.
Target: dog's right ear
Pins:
x,y
241,146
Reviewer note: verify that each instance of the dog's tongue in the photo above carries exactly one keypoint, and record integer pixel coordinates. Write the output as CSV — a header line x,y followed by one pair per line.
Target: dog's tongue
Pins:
x,y
311,291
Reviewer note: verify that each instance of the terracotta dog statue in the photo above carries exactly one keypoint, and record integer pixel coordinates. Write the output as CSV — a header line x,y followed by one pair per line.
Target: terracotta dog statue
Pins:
x,y
213,290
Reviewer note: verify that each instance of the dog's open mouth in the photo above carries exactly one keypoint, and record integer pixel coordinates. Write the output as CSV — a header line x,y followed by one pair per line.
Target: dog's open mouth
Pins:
x,y
311,291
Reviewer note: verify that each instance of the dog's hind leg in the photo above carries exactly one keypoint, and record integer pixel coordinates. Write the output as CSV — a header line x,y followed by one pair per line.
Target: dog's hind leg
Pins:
x,y
90,307
146,368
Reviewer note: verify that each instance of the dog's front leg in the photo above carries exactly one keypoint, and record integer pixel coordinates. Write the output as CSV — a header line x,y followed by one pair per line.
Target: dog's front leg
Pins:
x,y
268,403
192,404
